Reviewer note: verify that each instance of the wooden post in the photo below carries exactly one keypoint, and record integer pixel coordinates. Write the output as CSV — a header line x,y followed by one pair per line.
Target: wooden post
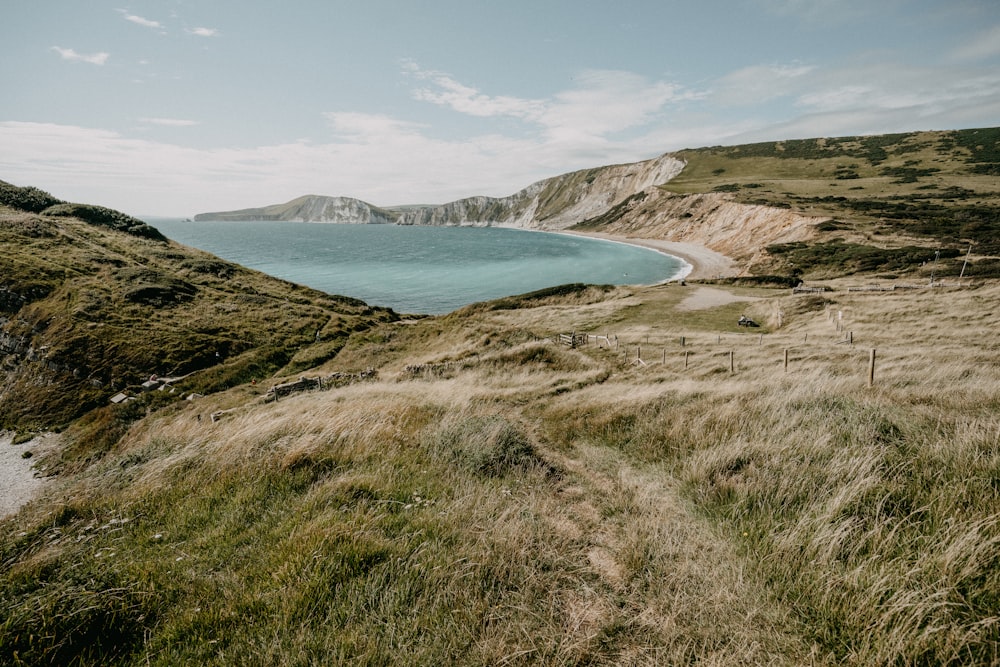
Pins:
x,y
664,356
682,341
638,353
786,359
761,341
850,338
686,353
871,368
732,362
806,339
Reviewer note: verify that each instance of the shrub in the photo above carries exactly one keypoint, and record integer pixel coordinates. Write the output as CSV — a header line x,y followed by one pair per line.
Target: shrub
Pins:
x,y
106,217
25,199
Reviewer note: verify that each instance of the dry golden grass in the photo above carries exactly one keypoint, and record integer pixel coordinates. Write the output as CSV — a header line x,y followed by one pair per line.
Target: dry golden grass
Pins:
x,y
527,503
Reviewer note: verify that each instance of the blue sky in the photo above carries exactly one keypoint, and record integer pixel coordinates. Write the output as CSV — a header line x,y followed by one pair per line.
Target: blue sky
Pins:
x,y
174,107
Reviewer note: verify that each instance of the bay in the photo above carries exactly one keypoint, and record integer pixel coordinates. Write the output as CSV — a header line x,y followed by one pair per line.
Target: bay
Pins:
x,y
416,269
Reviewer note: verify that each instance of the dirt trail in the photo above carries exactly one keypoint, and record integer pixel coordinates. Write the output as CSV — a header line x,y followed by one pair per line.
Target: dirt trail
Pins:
x,y
680,578
18,483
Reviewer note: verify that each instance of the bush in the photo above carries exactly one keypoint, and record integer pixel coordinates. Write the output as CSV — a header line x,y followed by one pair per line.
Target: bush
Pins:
x,y
106,217
29,199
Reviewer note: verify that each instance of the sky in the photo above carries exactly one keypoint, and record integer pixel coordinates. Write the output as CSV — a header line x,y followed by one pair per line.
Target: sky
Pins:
x,y
176,107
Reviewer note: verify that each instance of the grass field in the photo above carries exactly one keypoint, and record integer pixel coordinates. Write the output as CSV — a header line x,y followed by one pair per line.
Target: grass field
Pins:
x,y
516,501
921,191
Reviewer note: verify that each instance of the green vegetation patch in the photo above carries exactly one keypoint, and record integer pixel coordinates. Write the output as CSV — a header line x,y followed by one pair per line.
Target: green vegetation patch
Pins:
x,y
842,258
106,217
26,198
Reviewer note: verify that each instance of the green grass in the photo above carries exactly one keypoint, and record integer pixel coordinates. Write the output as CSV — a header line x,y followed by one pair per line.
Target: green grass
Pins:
x,y
523,502
538,504
106,303
936,186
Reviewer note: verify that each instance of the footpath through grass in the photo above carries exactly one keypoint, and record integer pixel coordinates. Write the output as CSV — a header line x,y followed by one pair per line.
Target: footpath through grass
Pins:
x,y
514,501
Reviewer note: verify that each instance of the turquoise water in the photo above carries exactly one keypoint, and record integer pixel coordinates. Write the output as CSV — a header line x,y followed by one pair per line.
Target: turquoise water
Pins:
x,y
413,269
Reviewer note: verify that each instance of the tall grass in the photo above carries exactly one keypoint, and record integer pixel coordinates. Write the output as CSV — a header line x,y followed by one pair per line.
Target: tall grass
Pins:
x,y
542,505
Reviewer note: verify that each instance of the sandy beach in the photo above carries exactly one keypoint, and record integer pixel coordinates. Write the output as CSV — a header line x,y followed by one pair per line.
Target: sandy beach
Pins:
x,y
704,263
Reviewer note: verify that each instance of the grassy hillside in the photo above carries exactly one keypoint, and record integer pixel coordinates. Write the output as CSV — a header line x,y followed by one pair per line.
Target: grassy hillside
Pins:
x,y
93,302
674,489
496,498
933,190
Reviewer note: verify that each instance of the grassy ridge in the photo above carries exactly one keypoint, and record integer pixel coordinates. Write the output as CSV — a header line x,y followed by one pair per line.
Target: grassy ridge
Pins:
x,y
93,302
935,190
535,504
673,494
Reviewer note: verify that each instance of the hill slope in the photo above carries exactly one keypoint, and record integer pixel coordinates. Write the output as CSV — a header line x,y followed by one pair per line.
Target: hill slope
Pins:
x,y
828,207
494,497
92,303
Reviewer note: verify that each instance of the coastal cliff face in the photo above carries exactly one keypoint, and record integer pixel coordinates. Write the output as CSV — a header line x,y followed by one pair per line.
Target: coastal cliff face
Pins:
x,y
554,203
310,208
618,199
714,220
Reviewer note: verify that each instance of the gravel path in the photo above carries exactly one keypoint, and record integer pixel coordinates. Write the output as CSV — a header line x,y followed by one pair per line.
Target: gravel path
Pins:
x,y
18,483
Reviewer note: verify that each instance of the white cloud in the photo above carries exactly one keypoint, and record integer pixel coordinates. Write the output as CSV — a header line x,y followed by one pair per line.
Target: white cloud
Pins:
x,y
891,86
604,117
138,20
759,83
604,102
600,103
93,58
170,122
203,32
353,126
446,91
981,47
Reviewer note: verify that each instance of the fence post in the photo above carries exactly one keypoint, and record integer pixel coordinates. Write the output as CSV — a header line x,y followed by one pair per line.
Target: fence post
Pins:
x,y
732,362
686,353
786,359
871,368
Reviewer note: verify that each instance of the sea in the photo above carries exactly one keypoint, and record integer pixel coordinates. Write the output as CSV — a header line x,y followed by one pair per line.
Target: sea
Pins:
x,y
422,269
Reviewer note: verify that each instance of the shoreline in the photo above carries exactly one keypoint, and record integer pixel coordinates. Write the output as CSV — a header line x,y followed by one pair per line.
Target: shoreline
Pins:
x,y
703,262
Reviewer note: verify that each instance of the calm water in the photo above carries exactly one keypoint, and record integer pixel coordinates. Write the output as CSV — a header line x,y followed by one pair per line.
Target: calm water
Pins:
x,y
421,269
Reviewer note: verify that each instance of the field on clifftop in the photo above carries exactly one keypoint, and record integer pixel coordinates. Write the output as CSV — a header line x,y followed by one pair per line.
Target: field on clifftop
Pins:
x,y
882,202
495,497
